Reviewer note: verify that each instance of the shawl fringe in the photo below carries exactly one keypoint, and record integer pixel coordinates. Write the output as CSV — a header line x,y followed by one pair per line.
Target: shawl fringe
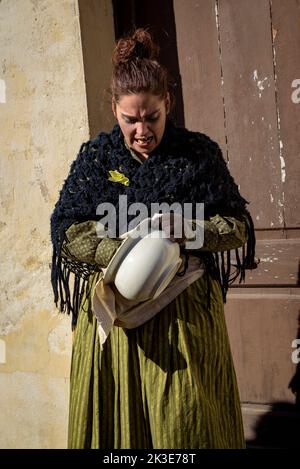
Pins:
x,y
67,294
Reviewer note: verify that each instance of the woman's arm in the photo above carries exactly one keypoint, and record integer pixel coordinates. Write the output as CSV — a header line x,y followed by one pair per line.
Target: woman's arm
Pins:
x,y
224,233
82,244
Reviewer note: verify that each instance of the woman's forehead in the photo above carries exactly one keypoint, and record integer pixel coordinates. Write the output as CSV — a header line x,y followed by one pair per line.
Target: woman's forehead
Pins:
x,y
141,104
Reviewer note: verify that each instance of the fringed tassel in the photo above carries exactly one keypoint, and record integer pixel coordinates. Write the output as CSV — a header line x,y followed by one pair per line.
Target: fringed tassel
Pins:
x,y
223,276
60,279
228,265
220,273
54,276
250,261
243,274
238,263
79,289
221,267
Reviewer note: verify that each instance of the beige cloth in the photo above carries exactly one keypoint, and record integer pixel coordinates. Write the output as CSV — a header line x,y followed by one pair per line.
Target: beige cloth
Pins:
x,y
109,304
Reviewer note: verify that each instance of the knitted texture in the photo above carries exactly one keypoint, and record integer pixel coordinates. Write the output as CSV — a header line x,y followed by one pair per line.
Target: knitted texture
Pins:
x,y
187,167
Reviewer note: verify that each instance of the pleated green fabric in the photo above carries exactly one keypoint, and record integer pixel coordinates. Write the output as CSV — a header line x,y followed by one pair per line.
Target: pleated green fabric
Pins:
x,y
169,383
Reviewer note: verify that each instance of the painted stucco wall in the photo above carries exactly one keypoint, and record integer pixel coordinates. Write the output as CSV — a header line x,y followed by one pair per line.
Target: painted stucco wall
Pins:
x,y
43,121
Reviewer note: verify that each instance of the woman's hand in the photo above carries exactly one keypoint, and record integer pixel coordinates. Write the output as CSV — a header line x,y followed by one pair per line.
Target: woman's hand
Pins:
x,y
118,323
174,225
177,228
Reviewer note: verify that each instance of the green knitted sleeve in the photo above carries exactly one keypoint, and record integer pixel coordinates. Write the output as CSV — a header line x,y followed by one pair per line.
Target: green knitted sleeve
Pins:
x,y
223,233
82,244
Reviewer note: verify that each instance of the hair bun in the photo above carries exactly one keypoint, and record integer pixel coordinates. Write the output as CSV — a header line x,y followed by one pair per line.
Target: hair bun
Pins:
x,y
139,45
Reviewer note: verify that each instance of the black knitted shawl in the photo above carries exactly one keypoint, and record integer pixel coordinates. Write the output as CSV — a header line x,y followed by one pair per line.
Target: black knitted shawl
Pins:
x,y
187,167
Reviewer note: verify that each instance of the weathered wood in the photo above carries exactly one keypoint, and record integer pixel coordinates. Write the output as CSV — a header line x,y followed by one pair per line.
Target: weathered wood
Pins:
x,y
279,264
285,18
199,61
251,118
262,329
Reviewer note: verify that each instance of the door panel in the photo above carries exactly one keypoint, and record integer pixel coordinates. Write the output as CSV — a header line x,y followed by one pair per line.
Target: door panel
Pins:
x,y
236,62
247,69
200,68
286,33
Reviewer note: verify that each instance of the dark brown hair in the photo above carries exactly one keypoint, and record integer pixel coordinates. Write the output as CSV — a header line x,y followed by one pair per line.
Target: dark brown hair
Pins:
x,y
135,66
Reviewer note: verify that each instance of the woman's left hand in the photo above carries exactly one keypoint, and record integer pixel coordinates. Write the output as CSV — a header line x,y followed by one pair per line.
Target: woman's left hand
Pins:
x,y
173,224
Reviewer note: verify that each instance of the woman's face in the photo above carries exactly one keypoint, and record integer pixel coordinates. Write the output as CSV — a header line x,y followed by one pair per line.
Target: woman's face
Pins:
x,y
142,119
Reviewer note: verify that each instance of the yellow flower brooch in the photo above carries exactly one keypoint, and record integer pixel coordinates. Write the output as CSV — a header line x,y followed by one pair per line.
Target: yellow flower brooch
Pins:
x,y
115,176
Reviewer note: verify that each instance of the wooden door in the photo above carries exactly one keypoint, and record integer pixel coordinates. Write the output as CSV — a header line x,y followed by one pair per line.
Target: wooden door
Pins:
x,y
238,61
235,65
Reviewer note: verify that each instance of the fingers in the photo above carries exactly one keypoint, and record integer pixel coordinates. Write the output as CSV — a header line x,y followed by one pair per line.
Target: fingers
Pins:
x,y
173,224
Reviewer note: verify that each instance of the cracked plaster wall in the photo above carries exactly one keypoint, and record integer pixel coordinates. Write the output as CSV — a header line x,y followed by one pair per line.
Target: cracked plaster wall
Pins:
x,y
43,121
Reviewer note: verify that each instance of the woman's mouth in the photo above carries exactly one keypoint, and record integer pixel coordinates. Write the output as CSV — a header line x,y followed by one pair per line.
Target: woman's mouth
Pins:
x,y
144,142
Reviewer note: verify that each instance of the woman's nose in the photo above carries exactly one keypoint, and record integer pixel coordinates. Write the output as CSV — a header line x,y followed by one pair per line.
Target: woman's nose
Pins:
x,y
141,129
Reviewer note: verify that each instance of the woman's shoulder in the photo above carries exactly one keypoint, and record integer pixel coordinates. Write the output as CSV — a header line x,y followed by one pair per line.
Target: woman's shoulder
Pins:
x,y
95,149
198,141
200,138
103,138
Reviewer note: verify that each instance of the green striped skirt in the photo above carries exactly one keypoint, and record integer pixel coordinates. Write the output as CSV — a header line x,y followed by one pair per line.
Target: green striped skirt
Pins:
x,y
169,383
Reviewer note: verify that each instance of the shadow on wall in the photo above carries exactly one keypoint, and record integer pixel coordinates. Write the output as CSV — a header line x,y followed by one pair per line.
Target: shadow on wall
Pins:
x,y
279,428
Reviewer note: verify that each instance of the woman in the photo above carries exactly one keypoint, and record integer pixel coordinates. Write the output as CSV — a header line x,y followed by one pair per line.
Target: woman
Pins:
x,y
169,383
